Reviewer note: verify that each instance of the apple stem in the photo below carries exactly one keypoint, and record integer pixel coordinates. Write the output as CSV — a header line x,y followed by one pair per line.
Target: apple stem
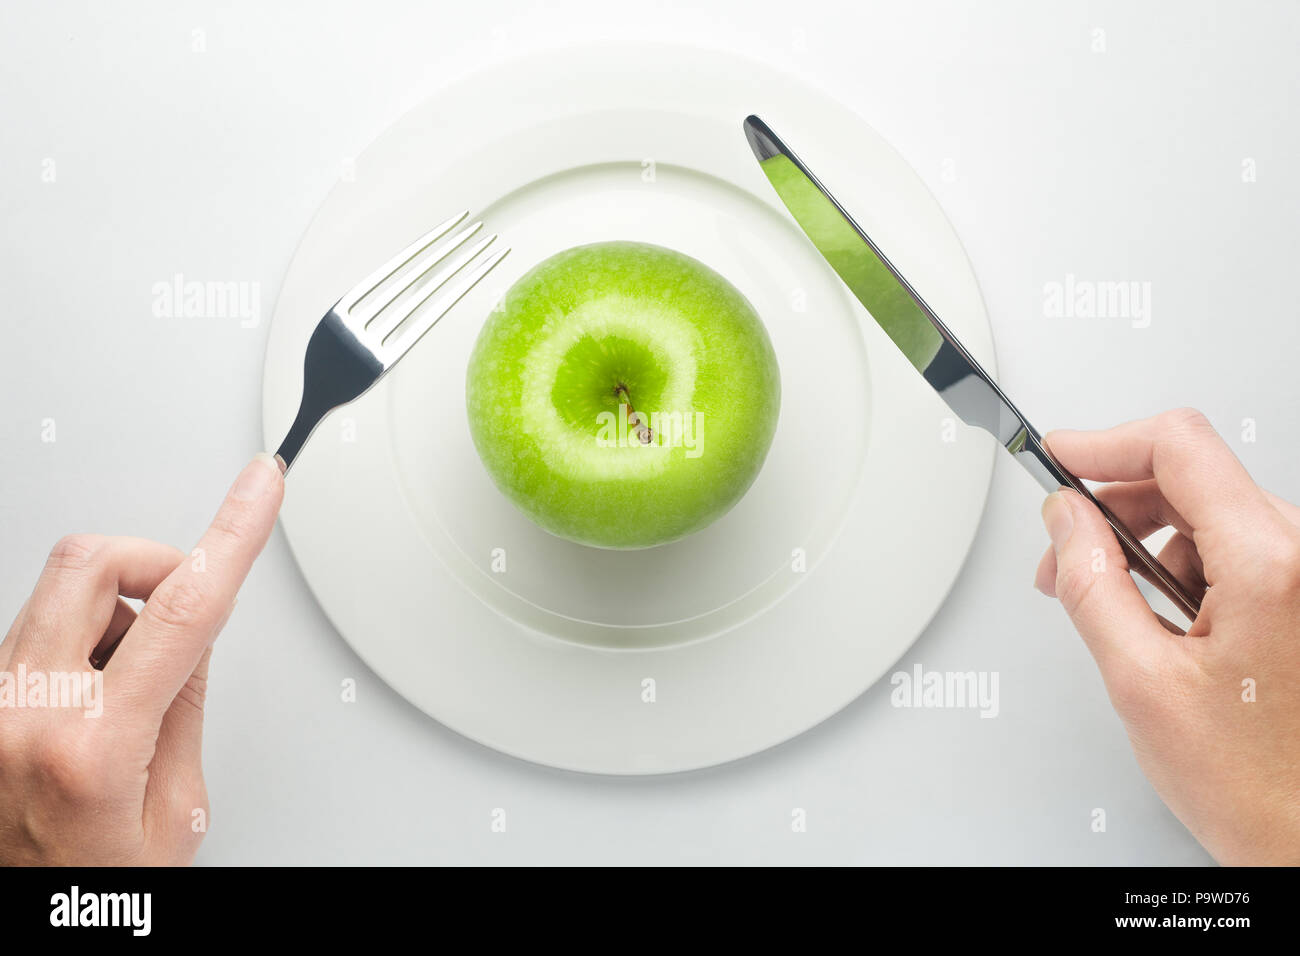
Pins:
x,y
634,418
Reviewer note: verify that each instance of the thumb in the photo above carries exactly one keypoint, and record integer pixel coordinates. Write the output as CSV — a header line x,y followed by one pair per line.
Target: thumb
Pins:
x,y
1092,580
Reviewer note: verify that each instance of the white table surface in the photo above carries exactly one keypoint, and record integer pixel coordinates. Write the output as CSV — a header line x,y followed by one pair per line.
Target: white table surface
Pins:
x,y
1050,158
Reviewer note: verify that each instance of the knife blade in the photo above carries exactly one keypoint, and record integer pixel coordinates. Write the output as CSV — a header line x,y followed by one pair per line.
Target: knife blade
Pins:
x,y
927,343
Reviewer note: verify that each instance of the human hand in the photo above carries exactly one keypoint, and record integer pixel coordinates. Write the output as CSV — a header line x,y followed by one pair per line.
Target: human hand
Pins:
x,y
126,785
1213,714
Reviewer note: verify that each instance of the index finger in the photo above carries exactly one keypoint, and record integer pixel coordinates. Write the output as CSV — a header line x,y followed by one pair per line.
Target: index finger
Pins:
x,y
182,616
1191,464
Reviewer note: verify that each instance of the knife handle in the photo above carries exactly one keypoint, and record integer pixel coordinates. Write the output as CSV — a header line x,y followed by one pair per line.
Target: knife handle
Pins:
x,y
1033,454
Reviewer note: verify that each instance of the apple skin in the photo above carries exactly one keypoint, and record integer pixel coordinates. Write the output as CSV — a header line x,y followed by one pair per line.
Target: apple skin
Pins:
x,y
679,337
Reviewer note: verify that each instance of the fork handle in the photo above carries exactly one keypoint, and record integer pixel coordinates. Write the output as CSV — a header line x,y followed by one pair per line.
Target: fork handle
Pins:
x,y
335,371
303,425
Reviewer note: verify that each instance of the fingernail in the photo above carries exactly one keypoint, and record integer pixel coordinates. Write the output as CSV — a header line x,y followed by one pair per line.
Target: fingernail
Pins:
x,y
1059,520
258,476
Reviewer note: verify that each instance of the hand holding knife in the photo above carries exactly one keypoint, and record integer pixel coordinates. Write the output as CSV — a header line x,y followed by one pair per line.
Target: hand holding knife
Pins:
x,y
927,343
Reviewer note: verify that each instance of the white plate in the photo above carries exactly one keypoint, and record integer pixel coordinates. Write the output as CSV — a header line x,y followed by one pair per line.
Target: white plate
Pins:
x,y
736,638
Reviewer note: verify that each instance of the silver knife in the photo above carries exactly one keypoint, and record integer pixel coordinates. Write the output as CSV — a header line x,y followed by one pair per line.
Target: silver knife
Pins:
x,y
927,343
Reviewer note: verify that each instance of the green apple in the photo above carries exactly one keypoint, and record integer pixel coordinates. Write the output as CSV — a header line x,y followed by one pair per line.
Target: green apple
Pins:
x,y
624,395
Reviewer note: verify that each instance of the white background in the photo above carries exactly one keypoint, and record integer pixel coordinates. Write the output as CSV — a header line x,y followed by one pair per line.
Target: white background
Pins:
x,y
1051,159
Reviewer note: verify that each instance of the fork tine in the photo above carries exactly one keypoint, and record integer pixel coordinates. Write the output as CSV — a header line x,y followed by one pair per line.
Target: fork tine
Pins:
x,y
440,299
439,267
384,272
424,286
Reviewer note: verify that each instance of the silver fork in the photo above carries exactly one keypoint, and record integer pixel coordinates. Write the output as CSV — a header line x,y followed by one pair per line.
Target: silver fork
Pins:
x,y
364,335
